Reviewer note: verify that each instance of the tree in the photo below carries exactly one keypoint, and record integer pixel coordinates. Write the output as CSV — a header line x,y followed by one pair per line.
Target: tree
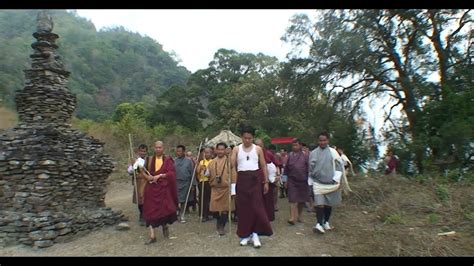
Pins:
x,y
134,109
107,67
372,53
237,87
176,107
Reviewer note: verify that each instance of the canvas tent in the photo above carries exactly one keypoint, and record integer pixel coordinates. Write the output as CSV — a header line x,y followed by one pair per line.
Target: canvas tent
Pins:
x,y
225,136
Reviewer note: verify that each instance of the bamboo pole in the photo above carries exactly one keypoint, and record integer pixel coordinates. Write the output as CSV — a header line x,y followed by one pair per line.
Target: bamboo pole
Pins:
x,y
191,184
134,174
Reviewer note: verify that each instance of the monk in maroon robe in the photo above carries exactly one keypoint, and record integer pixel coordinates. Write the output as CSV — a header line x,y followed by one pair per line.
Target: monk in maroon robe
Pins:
x,y
161,196
269,197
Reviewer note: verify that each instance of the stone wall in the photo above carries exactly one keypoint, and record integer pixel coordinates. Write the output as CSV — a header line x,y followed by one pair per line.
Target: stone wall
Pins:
x,y
52,177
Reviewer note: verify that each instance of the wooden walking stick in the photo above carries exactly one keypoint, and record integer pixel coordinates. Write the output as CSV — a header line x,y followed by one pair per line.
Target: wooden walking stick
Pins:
x,y
230,192
134,174
190,185
202,201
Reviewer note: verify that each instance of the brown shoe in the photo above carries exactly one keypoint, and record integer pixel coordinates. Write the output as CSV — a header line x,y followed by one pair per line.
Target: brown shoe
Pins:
x,y
166,231
291,222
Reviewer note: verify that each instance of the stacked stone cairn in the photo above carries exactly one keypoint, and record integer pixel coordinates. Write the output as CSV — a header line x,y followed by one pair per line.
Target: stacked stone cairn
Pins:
x,y
52,177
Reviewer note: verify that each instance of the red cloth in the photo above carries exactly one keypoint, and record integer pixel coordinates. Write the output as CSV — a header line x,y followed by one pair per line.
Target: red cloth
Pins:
x,y
161,198
284,140
392,165
270,157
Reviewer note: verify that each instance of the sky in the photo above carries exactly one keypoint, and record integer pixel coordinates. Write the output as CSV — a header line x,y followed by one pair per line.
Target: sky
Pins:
x,y
195,35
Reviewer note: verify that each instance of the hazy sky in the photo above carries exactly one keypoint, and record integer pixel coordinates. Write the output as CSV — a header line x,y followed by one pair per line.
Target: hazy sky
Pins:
x,y
195,35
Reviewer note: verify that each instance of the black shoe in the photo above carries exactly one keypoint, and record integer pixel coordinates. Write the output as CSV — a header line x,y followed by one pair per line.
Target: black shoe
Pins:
x,y
204,219
166,231
221,231
150,241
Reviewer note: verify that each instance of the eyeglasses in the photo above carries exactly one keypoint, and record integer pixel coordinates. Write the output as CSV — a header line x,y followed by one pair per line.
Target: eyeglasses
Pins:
x,y
248,158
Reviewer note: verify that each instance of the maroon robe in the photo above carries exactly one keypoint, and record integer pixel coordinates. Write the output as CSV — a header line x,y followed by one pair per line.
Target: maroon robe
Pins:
x,y
269,197
297,171
392,165
249,205
161,198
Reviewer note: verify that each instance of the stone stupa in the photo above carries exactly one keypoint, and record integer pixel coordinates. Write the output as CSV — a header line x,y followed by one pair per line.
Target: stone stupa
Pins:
x,y
52,177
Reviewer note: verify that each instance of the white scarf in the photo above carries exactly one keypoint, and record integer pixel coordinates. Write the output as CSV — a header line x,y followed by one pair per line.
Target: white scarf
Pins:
x,y
328,188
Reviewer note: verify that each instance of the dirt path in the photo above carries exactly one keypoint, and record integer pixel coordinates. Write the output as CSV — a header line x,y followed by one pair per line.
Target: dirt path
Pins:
x,y
191,238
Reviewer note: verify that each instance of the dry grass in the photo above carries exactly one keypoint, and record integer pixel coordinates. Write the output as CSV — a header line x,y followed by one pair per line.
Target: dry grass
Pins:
x,y
8,118
118,146
404,218
355,234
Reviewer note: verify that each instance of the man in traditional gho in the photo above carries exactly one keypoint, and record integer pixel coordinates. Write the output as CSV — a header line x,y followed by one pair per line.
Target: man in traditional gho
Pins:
x,y
221,179
326,169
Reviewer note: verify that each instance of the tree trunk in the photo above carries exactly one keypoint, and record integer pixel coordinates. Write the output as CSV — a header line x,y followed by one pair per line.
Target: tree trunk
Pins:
x,y
412,120
442,53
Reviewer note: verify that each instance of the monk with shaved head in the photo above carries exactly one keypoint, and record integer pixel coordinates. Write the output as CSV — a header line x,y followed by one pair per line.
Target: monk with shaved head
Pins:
x,y
160,199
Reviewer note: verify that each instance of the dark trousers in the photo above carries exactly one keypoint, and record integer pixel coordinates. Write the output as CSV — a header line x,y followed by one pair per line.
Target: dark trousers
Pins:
x,y
140,208
222,219
207,199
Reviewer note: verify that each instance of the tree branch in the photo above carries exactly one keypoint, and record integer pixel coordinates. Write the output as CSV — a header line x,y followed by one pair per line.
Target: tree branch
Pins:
x,y
391,109
461,25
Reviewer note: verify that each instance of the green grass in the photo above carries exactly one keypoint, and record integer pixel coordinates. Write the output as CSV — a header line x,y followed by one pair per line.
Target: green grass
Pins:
x,y
395,218
433,218
442,193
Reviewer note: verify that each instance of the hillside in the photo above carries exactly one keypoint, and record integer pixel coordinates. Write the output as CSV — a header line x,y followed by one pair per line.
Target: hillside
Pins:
x,y
108,66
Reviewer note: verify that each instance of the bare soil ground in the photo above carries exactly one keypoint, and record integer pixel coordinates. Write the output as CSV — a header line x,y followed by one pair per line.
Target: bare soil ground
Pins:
x,y
189,239
393,217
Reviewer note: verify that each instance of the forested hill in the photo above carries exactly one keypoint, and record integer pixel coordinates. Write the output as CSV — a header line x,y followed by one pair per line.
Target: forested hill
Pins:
x,y
108,66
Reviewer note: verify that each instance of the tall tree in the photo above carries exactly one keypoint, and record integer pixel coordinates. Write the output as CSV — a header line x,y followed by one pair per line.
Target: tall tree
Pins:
x,y
371,53
177,107
236,87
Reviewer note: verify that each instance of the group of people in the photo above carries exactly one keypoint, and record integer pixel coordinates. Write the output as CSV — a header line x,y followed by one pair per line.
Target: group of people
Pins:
x,y
243,181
